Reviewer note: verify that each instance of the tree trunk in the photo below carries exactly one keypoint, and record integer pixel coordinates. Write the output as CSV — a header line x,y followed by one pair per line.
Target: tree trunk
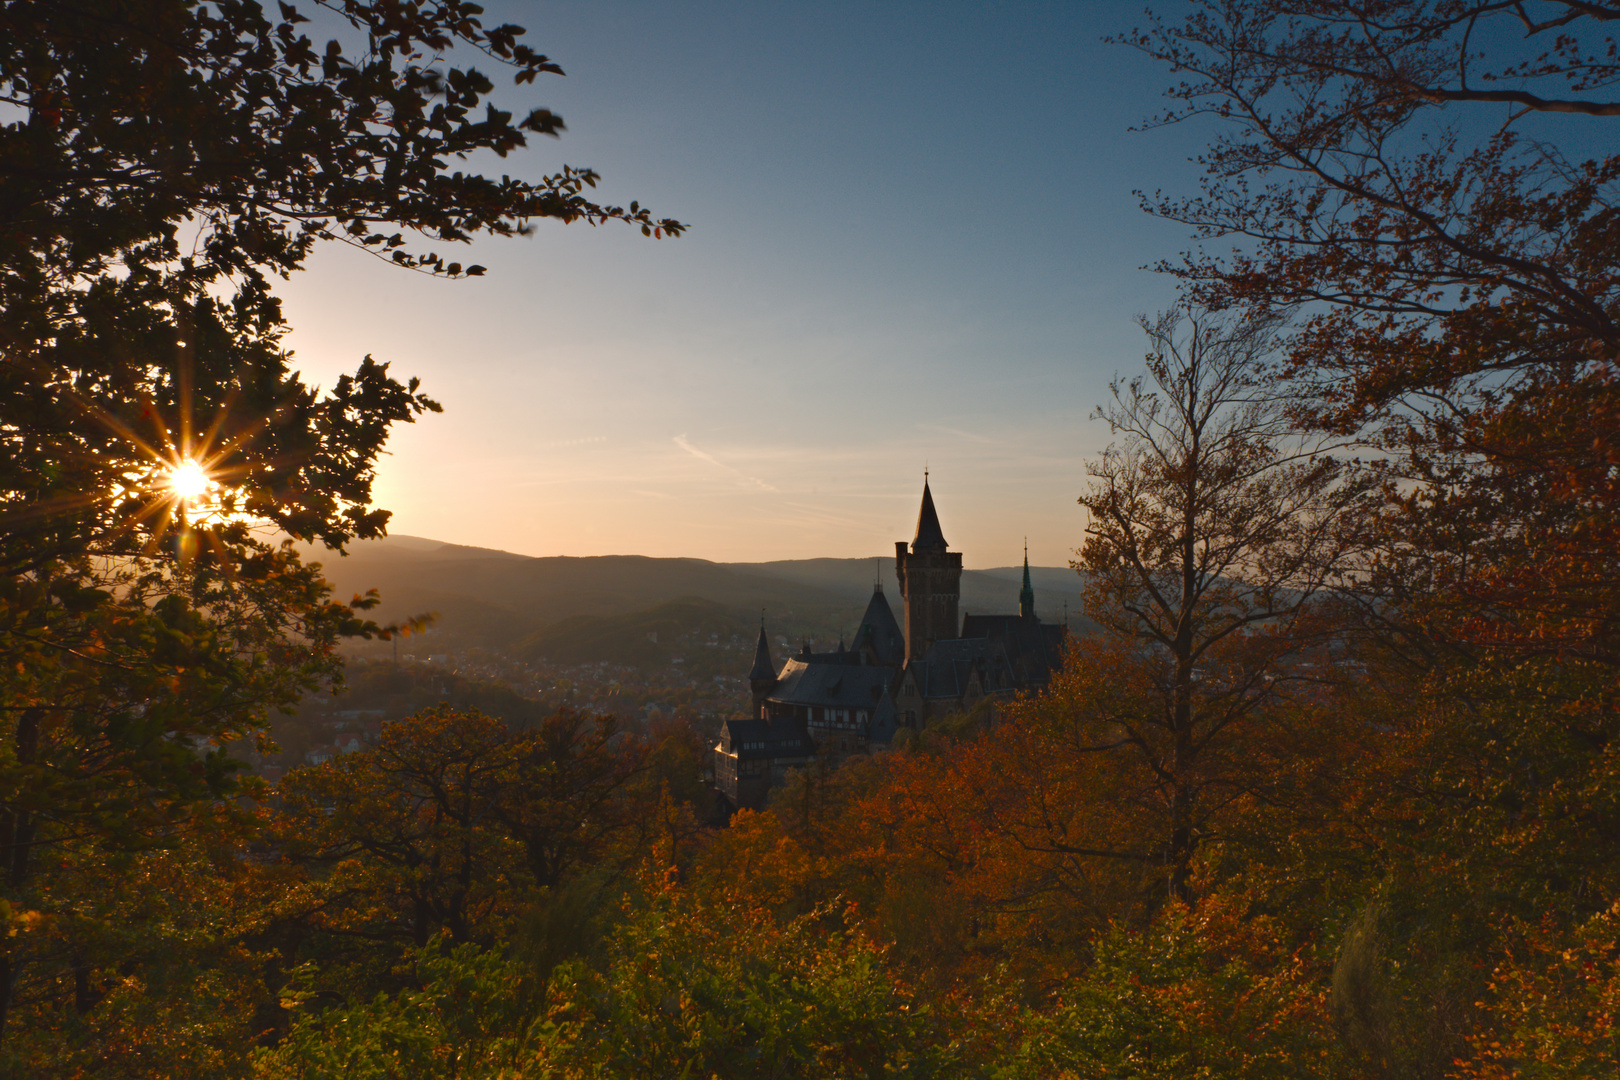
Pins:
x,y
16,843
83,998
1181,796
16,825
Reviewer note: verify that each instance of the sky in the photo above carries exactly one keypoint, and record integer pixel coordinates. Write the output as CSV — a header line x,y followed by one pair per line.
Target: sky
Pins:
x,y
913,244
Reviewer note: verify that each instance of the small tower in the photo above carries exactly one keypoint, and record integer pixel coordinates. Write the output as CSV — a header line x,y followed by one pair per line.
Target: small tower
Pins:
x,y
879,639
1026,595
930,582
762,676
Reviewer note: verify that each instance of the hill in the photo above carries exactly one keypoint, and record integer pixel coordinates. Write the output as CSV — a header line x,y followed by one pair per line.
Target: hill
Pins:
x,y
605,607
702,637
983,591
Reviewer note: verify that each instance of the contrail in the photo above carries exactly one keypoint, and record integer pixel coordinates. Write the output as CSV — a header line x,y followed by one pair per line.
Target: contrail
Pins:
x,y
681,441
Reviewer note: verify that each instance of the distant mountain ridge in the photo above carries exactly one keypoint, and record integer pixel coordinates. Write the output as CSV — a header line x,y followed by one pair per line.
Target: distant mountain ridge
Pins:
x,y
984,591
499,599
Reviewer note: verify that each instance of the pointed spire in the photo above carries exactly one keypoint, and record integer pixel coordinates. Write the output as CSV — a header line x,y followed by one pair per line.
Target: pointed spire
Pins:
x,y
880,632
763,668
929,534
1026,595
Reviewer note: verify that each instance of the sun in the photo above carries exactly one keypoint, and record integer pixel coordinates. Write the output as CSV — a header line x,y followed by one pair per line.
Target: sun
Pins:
x,y
188,480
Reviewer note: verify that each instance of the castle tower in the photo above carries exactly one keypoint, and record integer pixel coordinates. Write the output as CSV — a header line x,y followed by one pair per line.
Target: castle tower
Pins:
x,y
930,582
762,676
1026,595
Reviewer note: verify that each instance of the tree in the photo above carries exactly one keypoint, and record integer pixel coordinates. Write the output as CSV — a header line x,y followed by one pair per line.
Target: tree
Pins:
x,y
406,832
1211,531
687,988
1439,258
122,681
163,965
455,823
568,797
1212,993
170,150
1390,170
161,162
1423,184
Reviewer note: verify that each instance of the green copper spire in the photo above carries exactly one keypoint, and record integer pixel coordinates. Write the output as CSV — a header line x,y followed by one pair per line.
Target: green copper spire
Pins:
x,y
1026,595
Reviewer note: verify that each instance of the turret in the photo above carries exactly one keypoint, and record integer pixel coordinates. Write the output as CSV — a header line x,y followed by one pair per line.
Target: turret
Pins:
x,y
762,676
879,639
930,581
1026,595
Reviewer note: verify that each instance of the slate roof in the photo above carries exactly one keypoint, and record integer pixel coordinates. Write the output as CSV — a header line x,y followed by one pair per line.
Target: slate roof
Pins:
x,y
834,685
928,535
879,628
752,740
948,666
1034,648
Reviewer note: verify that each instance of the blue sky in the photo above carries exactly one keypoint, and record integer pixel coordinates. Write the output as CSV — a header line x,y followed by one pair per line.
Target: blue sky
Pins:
x,y
913,241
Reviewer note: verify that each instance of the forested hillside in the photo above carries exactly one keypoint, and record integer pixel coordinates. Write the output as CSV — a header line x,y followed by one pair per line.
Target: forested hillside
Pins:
x,y
519,604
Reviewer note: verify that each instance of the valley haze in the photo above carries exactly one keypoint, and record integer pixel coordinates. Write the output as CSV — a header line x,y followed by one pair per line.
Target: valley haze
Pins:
x,y
537,606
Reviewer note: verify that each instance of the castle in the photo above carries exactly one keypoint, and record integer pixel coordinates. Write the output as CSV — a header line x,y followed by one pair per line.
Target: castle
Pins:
x,y
826,706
